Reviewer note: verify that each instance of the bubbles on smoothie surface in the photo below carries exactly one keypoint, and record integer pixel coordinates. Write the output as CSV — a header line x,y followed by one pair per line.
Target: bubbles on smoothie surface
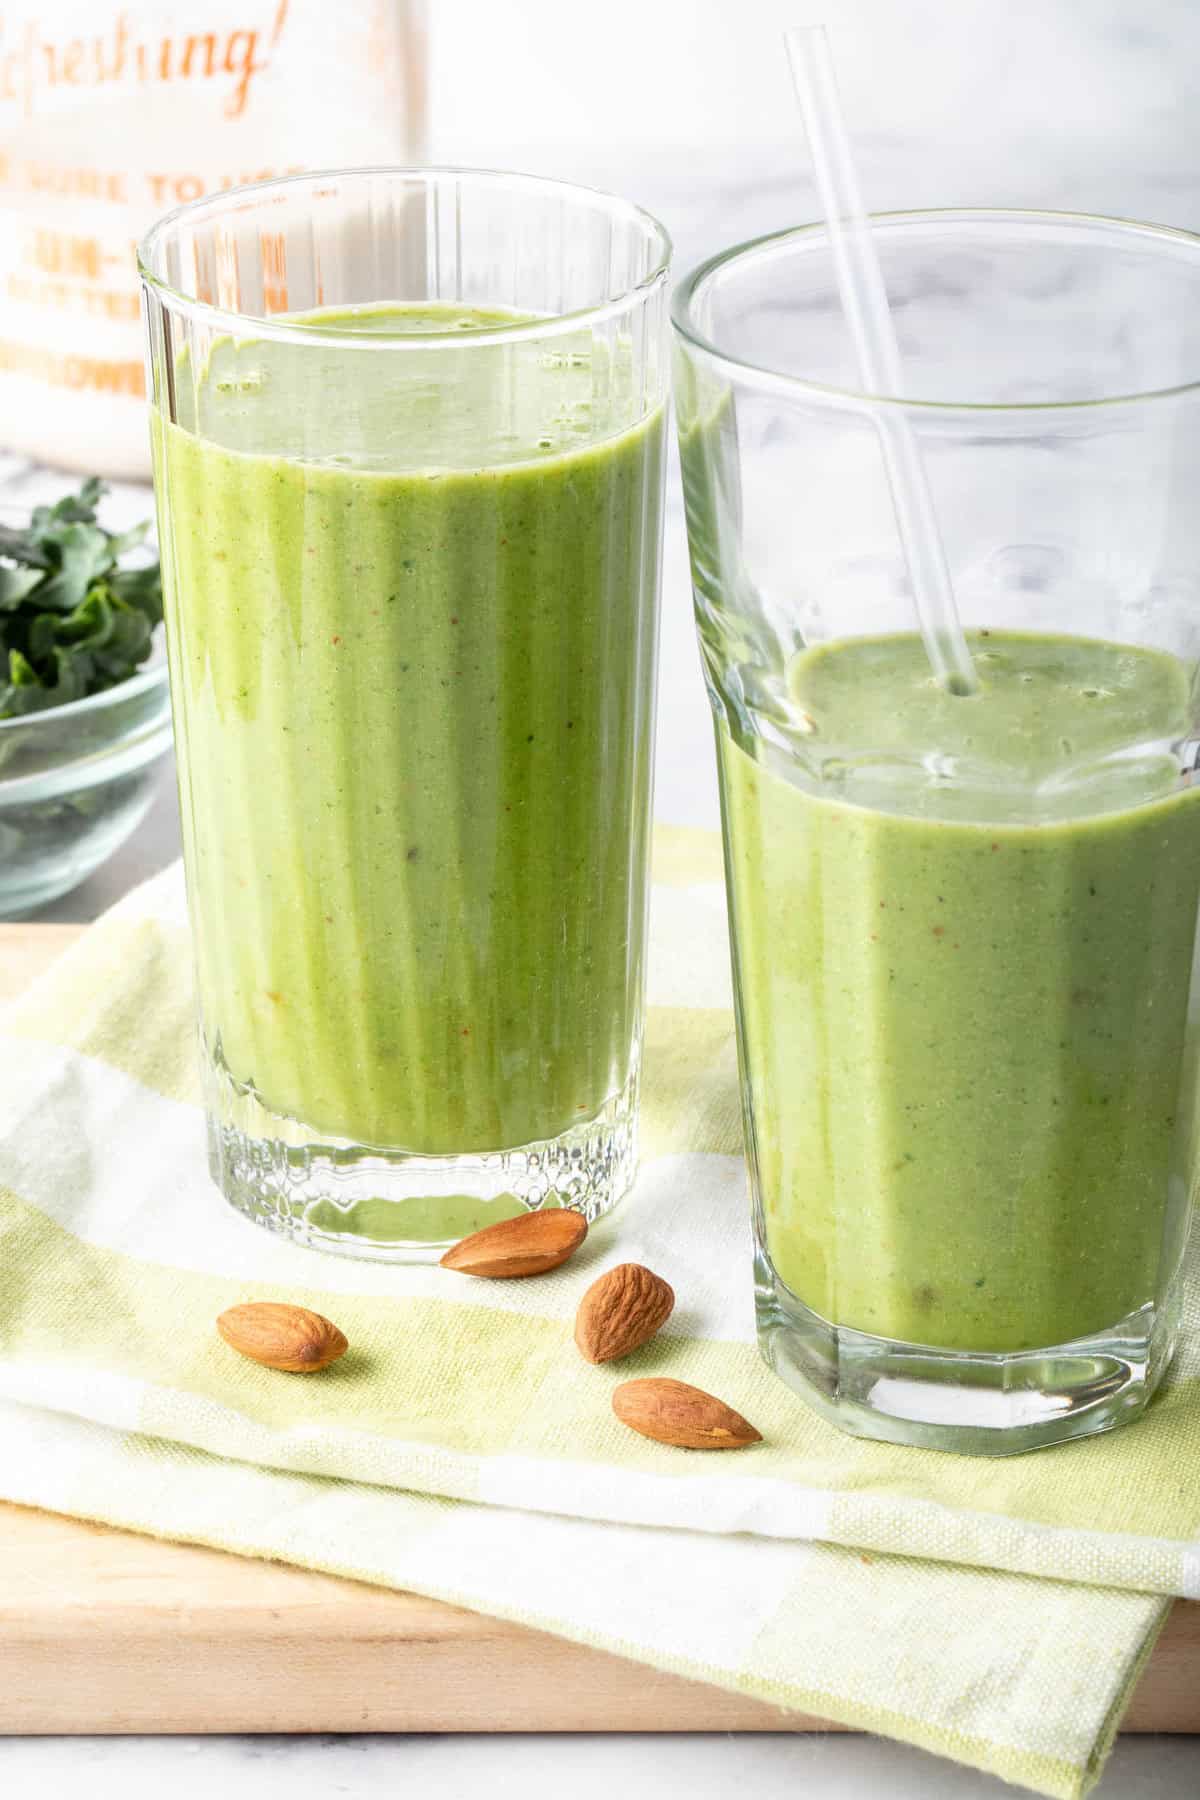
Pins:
x,y
1055,717
508,398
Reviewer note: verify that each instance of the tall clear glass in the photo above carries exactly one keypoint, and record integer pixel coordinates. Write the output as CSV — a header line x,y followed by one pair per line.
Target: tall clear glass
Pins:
x,y
408,458
963,928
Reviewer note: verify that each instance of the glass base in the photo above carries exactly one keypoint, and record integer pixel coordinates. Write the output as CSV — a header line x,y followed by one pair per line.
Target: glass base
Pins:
x,y
395,1206
974,1402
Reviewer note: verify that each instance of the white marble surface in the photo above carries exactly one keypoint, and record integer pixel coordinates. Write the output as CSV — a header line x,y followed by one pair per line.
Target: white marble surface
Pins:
x,y
776,1767
1128,142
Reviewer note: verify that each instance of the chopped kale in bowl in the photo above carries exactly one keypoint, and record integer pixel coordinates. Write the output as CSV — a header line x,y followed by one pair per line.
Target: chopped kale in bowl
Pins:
x,y
73,620
85,716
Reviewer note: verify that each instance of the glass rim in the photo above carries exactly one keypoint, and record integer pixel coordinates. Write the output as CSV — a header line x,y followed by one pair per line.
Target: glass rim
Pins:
x,y
685,294
284,327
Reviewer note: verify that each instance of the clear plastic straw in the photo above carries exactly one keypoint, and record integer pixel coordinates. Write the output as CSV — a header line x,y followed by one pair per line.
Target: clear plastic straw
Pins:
x,y
868,315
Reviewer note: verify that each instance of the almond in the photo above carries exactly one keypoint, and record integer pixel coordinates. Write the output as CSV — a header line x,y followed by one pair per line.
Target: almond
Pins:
x,y
672,1412
282,1337
622,1311
527,1245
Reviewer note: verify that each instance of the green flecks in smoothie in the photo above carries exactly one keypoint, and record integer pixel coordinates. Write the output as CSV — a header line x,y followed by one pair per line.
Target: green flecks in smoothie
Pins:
x,y
371,658
966,1039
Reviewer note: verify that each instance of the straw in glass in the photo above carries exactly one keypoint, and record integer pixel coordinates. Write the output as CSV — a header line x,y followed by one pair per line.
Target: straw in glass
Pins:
x,y
873,332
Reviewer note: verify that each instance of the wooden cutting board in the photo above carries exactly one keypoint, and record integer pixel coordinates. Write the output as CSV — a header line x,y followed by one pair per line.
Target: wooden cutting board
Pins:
x,y
105,1631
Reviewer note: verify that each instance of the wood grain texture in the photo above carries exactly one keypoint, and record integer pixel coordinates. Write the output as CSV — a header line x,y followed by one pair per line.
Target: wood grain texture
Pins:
x,y
102,1631
105,1631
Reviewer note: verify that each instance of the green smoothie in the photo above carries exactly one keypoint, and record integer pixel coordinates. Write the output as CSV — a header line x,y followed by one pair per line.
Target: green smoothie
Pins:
x,y
411,612
963,987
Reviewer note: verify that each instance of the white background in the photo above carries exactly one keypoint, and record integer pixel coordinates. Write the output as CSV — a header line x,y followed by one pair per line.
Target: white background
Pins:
x,y
1028,102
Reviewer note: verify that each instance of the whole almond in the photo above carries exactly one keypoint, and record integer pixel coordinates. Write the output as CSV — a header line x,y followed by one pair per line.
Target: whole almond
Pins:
x,y
282,1337
672,1412
527,1245
622,1311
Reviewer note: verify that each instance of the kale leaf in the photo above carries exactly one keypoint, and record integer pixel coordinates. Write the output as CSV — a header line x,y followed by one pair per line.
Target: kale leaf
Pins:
x,y
72,621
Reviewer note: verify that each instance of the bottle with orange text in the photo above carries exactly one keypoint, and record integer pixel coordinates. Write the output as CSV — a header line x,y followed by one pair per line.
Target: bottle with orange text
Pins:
x,y
111,114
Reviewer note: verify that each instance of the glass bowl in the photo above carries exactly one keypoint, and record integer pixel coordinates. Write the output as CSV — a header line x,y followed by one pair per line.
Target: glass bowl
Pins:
x,y
75,781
